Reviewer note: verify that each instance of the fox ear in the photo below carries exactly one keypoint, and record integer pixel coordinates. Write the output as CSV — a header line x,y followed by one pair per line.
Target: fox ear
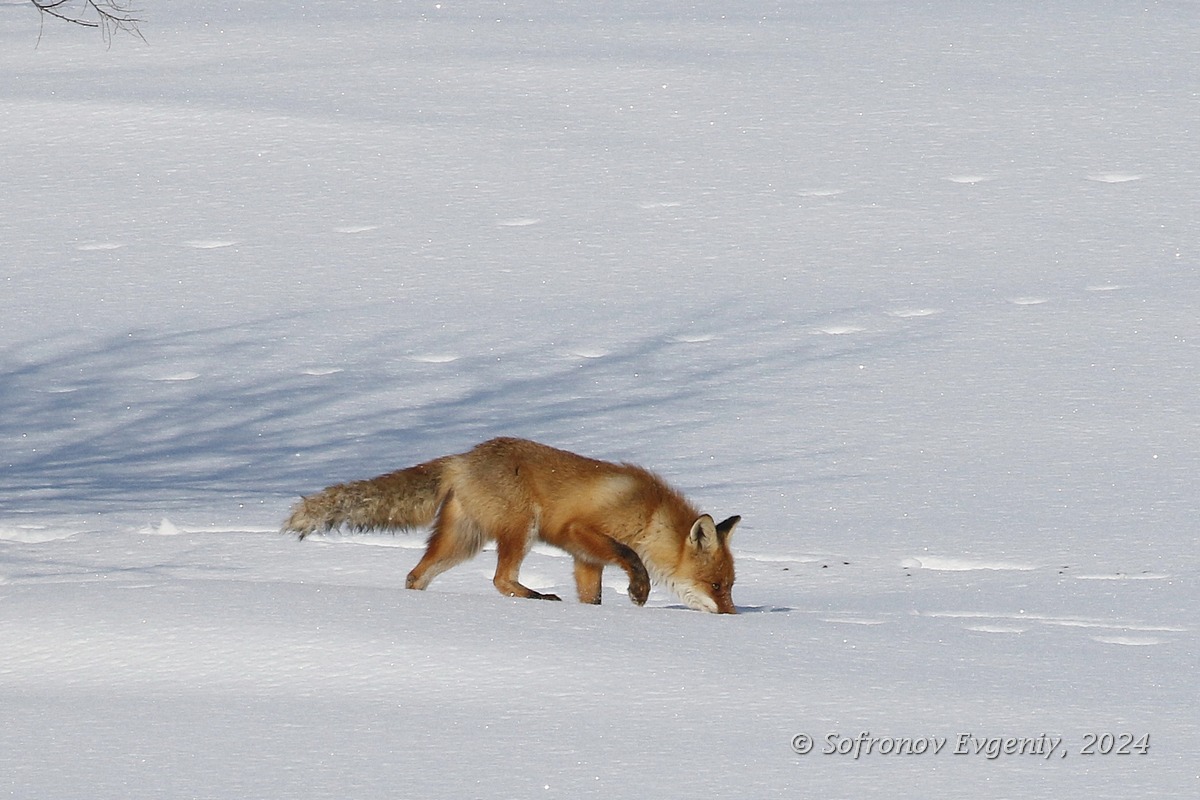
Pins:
x,y
725,529
703,535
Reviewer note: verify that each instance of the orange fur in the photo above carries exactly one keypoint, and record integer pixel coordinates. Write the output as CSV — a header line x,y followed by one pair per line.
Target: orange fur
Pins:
x,y
513,492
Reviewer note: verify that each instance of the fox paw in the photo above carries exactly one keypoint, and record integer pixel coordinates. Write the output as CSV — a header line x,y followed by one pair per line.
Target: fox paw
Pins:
x,y
639,590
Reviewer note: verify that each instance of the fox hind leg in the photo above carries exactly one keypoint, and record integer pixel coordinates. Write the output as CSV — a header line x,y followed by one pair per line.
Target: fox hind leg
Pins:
x,y
455,539
511,547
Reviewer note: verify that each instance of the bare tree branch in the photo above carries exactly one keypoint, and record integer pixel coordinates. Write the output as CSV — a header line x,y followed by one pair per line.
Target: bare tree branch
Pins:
x,y
109,16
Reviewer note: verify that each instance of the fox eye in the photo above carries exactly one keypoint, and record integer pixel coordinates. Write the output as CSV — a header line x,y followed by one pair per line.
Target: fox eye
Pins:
x,y
717,587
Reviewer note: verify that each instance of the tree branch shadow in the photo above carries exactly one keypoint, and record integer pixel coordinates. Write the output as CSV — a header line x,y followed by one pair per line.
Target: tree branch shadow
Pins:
x,y
188,417
183,415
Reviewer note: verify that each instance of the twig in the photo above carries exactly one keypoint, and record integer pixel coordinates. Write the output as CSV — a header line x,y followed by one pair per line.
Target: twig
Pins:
x,y
109,16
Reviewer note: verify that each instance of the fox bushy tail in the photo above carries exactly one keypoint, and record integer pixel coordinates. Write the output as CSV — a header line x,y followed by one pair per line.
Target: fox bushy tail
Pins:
x,y
407,498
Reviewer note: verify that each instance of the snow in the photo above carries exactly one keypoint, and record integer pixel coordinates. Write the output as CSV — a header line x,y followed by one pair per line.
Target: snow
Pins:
x,y
910,287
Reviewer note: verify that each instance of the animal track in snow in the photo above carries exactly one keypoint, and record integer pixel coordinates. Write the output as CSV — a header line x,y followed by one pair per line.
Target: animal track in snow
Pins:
x,y
176,377
436,358
665,204
1131,641
1104,287
839,330
350,229
164,528
970,179
33,534
822,192
995,628
1114,177
209,244
1029,301
910,313
321,371
696,338
519,222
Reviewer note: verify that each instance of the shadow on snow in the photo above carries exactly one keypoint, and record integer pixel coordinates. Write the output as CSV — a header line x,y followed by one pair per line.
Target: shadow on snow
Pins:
x,y
241,411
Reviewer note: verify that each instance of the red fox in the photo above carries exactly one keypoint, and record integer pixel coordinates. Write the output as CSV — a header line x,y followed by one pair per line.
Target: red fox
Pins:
x,y
513,492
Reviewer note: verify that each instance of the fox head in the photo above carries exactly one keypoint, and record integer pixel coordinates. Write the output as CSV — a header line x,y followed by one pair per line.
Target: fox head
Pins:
x,y
704,576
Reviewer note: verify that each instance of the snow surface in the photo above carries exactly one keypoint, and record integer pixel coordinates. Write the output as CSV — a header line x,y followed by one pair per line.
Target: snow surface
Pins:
x,y
913,287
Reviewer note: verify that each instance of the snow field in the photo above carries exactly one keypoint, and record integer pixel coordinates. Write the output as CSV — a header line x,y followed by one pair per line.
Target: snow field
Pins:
x,y
911,288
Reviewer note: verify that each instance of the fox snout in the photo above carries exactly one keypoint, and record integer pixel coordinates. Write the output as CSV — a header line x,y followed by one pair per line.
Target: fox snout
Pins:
x,y
700,599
